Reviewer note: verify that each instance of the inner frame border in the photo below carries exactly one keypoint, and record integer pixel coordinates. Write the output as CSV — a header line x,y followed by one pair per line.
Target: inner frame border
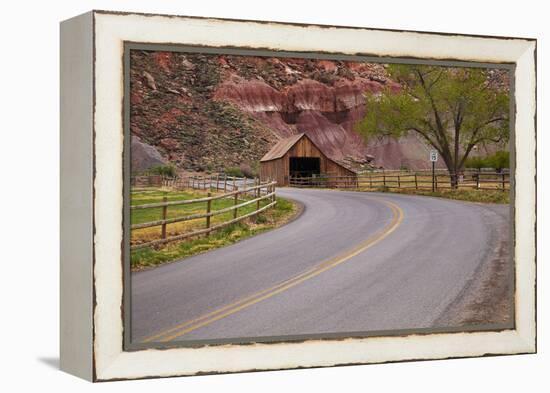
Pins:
x,y
128,46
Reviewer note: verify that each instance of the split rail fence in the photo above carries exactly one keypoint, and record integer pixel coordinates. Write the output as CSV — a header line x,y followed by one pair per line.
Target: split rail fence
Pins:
x,y
259,191
410,180
218,182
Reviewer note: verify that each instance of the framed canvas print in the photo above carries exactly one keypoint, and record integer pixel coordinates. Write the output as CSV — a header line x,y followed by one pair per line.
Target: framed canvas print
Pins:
x,y
246,195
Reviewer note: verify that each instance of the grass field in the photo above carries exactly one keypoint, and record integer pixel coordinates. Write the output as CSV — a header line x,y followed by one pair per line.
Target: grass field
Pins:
x,y
424,181
491,189
283,211
470,195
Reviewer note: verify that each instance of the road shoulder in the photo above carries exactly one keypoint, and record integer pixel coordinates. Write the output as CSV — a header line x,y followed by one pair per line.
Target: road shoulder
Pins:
x,y
487,299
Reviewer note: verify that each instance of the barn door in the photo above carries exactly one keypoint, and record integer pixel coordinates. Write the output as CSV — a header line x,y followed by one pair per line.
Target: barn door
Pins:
x,y
304,166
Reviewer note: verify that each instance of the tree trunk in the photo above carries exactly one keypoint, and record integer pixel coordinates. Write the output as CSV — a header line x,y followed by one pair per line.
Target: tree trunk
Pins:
x,y
451,165
454,173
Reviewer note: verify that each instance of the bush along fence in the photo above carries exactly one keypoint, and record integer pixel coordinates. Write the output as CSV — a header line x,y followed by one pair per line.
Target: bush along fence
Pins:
x,y
421,180
259,191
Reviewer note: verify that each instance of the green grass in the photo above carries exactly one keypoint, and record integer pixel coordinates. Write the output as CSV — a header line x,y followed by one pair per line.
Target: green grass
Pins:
x,y
484,196
146,215
283,211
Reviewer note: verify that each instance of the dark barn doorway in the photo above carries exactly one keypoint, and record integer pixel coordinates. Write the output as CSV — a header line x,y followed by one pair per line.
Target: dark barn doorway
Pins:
x,y
305,166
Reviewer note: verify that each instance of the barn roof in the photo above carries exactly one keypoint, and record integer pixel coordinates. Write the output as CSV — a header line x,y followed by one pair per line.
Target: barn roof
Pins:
x,y
284,145
281,147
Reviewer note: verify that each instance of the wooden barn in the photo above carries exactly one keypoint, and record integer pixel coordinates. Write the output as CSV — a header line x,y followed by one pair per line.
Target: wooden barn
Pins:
x,y
298,157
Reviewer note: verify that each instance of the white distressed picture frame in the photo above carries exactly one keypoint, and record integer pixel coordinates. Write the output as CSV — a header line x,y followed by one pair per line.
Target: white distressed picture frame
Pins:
x,y
92,142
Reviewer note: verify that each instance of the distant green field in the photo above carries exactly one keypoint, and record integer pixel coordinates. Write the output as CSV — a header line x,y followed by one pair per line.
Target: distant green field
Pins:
x,y
151,256
482,196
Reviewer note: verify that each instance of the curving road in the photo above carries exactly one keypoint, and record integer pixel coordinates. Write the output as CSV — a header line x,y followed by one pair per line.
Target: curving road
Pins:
x,y
352,262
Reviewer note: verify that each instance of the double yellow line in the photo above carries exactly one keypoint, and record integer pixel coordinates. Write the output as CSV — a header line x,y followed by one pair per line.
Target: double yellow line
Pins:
x,y
206,319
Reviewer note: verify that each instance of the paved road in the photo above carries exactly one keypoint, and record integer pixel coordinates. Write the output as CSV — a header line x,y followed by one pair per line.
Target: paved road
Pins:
x,y
351,262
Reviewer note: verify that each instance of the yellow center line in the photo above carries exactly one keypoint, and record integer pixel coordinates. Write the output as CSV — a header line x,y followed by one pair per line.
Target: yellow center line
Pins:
x,y
206,319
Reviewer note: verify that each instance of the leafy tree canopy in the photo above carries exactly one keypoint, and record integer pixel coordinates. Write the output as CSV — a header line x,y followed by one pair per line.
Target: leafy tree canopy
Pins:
x,y
452,109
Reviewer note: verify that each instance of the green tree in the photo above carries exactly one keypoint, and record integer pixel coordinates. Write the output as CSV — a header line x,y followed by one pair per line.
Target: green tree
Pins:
x,y
499,161
452,109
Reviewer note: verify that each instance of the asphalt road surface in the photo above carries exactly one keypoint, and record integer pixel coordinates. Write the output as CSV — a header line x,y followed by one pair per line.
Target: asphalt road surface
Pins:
x,y
351,262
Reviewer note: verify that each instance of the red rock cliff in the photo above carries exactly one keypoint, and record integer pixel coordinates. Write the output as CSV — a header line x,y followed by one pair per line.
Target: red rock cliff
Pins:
x,y
210,111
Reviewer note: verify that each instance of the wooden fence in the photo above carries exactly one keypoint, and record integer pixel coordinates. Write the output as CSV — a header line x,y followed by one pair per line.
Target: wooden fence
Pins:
x,y
217,182
422,180
146,181
262,191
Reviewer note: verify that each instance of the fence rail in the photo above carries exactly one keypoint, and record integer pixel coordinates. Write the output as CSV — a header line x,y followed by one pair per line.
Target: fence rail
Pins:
x,y
421,180
217,182
259,191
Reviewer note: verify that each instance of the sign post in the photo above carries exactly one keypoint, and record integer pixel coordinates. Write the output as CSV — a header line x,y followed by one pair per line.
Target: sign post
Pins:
x,y
433,159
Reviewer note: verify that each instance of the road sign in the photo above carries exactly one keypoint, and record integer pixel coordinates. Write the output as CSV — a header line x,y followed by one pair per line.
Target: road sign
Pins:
x,y
433,159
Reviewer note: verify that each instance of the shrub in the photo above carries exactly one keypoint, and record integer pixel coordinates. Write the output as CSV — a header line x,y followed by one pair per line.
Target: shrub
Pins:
x,y
233,171
499,160
163,170
247,170
475,162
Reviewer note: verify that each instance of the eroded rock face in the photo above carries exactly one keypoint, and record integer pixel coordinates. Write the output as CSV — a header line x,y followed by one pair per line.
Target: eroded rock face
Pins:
x,y
326,113
251,96
144,156
205,112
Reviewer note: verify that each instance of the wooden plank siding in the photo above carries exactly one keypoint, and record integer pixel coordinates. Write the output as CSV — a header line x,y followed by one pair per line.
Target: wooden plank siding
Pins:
x,y
278,169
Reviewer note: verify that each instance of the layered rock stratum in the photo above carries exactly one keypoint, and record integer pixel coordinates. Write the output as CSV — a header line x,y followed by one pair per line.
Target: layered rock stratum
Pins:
x,y
208,112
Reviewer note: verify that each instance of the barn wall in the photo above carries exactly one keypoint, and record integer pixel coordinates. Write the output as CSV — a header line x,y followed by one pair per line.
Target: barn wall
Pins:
x,y
274,170
304,148
278,169
334,169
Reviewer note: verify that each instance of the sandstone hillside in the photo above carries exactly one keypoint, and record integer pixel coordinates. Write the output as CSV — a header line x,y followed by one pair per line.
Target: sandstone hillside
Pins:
x,y
207,112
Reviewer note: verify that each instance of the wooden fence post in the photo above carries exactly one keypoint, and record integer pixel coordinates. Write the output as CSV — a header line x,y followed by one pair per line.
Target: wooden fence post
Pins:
x,y
503,182
477,180
370,180
415,181
234,187
217,181
384,178
164,214
236,202
398,182
224,183
258,193
435,179
208,208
